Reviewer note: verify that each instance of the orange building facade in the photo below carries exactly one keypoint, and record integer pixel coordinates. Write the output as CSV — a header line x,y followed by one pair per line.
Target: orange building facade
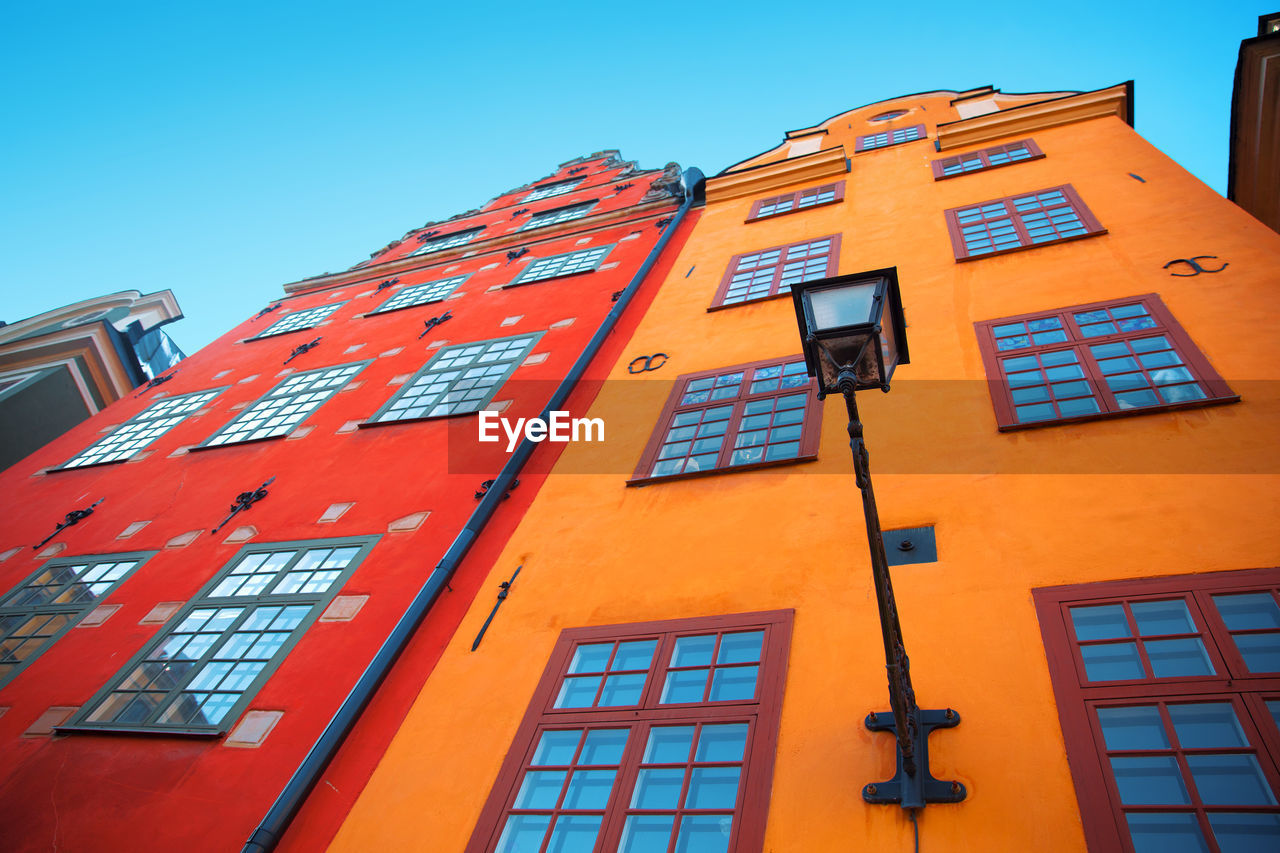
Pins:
x,y
1080,453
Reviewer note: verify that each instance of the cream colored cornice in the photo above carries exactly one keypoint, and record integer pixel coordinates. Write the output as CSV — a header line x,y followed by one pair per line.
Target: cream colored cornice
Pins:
x,y
1018,121
492,245
827,163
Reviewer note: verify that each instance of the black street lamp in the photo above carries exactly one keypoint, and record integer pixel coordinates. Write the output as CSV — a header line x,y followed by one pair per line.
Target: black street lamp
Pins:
x,y
854,337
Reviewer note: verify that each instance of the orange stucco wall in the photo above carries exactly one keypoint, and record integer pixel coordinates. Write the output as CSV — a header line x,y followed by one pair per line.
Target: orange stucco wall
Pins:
x,y
1157,494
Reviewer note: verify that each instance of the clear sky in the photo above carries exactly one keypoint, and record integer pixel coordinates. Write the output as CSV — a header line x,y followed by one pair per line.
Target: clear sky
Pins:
x,y
223,149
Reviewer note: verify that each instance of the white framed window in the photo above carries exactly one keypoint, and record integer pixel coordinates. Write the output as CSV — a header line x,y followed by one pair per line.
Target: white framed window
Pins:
x,y
555,266
286,405
141,429
460,379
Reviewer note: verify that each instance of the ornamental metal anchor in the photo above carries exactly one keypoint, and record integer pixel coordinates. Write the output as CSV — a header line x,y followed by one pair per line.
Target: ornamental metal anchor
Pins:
x,y
300,349
503,589
435,321
244,500
73,517
151,383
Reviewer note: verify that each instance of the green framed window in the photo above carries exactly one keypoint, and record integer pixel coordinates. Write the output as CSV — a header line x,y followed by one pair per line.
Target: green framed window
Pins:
x,y
298,320
35,613
140,430
570,263
286,405
459,380
205,666
549,190
420,294
559,214
449,241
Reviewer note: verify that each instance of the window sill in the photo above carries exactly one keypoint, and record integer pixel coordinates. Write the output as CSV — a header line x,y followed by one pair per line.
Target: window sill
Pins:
x,y
968,258
786,294
690,475
370,424
377,313
200,448
87,729
278,334
512,284
59,469
1126,413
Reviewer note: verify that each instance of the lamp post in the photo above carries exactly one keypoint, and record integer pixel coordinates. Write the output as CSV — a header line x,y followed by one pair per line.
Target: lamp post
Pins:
x,y
854,337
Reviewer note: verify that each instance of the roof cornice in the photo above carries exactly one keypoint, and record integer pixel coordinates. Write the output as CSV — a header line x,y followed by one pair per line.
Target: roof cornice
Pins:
x,y
1021,120
753,180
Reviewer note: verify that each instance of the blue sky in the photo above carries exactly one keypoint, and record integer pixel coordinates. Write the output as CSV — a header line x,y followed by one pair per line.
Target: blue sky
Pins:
x,y
221,150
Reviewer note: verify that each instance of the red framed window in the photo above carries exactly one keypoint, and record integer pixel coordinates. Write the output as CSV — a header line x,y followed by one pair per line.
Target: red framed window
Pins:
x,y
1020,222
1104,359
747,416
797,201
885,138
987,158
1168,692
771,272
649,737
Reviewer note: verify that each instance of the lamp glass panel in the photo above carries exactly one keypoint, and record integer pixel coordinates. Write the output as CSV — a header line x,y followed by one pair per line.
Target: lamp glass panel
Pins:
x,y
846,305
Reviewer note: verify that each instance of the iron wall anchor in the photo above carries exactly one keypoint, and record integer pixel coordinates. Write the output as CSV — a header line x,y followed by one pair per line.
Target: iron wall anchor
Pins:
x,y
913,791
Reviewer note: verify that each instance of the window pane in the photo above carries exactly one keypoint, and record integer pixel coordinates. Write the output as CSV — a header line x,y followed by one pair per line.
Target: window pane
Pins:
x,y
712,788
646,833
693,651
523,834
1261,651
540,789
1206,725
1230,780
574,834
1177,832
1246,833
603,746
1133,728
668,745
634,655
1103,622
589,789
735,683
622,689
740,648
658,788
704,834
722,742
1149,780
684,686
1111,662
556,747
1171,658
591,657
1162,617
578,692
1248,611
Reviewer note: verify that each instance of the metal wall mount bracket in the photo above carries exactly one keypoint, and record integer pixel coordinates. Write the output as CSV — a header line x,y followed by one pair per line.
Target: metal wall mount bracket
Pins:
x,y
914,791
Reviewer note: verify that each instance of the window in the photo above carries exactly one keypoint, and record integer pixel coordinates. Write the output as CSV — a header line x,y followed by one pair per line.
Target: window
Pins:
x,y
555,266
792,202
46,605
750,415
298,320
987,158
1103,359
1020,222
890,115
286,405
1168,692
559,214
420,294
198,674
141,429
458,380
549,190
771,272
885,138
439,244
655,736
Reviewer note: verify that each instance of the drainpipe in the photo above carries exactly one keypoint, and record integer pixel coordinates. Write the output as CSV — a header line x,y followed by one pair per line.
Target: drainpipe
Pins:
x,y
268,833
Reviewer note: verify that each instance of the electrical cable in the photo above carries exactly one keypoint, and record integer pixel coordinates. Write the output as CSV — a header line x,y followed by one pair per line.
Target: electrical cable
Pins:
x,y
915,826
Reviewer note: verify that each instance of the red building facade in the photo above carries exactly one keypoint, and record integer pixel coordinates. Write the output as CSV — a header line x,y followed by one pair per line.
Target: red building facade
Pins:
x,y
167,665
